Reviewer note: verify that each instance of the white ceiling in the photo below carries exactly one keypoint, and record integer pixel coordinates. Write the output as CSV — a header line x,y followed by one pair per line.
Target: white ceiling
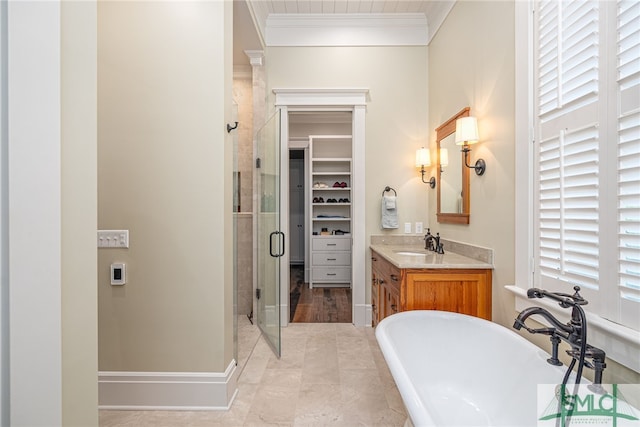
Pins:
x,y
250,16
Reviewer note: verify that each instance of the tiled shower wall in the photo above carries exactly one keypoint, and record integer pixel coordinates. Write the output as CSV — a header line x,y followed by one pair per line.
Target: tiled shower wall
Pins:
x,y
243,96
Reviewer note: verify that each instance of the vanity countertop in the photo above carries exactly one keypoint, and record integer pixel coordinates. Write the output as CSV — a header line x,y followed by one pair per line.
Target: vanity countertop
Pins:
x,y
415,256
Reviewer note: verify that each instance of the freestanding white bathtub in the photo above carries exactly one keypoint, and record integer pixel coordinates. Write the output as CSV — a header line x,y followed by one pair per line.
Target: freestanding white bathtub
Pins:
x,y
457,370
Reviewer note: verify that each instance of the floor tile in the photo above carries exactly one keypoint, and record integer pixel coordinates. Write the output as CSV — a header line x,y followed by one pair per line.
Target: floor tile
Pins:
x,y
329,375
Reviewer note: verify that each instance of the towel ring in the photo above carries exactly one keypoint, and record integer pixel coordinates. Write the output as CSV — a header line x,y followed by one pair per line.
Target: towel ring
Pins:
x,y
387,188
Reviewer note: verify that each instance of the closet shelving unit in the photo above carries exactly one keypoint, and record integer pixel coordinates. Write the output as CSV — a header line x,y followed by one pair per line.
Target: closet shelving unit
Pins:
x,y
330,179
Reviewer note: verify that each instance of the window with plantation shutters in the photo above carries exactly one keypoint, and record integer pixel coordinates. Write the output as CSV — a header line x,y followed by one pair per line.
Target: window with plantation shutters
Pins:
x,y
587,153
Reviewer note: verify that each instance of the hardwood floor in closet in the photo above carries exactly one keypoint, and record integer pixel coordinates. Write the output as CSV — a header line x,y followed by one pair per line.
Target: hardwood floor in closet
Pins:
x,y
317,305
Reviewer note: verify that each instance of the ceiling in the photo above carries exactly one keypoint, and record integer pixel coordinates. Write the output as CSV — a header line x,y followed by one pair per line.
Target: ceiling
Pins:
x,y
250,16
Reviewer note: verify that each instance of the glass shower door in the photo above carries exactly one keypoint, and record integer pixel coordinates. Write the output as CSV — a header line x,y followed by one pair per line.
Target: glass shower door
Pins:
x,y
270,239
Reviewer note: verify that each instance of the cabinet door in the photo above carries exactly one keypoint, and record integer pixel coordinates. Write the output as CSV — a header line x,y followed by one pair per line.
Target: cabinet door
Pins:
x,y
375,300
391,299
460,291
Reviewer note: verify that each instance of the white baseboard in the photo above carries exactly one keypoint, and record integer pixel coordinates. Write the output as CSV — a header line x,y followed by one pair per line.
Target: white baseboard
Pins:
x,y
190,391
362,315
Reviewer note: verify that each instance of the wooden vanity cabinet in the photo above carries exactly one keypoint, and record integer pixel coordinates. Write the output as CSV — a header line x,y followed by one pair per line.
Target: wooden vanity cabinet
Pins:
x,y
466,291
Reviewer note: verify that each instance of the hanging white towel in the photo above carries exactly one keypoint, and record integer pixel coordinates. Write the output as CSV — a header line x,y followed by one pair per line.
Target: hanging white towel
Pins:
x,y
389,212
390,202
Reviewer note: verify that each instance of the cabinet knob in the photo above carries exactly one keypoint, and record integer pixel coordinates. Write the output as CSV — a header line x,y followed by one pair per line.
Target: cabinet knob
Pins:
x,y
394,277
381,281
393,307
374,258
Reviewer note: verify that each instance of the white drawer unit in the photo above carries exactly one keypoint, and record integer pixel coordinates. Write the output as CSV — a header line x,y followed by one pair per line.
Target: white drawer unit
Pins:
x,y
330,261
331,258
331,244
331,274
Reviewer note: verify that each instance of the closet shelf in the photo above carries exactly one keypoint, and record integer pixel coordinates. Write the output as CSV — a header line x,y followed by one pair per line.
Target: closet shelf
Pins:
x,y
332,159
331,173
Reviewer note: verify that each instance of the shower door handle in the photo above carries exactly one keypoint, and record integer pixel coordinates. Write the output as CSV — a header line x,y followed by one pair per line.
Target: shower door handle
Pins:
x,y
280,235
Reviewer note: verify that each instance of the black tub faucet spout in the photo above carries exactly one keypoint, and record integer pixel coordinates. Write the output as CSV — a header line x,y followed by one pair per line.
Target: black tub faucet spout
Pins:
x,y
573,332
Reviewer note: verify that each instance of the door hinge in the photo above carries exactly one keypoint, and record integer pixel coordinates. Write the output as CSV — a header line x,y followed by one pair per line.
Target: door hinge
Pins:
x,y
258,163
258,293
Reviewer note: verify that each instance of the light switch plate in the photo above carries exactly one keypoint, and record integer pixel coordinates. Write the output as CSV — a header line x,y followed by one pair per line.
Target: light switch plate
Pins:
x,y
419,229
407,227
113,238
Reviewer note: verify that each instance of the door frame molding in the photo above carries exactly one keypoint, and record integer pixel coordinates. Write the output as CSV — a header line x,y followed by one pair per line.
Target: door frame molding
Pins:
x,y
342,99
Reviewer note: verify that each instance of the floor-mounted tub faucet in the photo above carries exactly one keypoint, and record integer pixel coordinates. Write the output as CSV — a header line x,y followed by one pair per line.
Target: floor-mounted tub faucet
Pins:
x,y
574,333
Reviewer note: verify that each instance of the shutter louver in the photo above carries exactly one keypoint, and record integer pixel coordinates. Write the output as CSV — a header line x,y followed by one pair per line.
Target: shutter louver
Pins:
x,y
568,207
567,56
628,45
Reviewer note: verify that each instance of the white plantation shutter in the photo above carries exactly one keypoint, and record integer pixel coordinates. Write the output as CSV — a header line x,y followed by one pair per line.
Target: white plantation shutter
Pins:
x,y
568,211
628,79
587,145
568,55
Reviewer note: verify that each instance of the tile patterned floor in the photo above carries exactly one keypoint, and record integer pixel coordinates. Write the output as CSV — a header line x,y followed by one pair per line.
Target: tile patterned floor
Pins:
x,y
330,374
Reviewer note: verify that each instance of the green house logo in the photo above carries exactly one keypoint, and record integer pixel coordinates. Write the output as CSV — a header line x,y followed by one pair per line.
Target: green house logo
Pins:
x,y
586,405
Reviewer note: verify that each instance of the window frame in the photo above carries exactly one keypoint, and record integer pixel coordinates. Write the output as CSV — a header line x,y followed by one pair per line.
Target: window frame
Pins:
x,y
621,343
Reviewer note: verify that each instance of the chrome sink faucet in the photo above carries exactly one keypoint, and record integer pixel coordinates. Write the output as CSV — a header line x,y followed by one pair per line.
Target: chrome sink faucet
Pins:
x,y
573,333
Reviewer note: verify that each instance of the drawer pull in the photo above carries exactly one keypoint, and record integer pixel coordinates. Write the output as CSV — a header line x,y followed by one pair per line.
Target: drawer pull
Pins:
x,y
331,274
331,259
394,277
331,244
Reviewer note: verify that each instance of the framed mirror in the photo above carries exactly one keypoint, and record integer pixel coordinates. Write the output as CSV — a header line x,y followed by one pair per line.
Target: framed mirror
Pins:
x,y
453,177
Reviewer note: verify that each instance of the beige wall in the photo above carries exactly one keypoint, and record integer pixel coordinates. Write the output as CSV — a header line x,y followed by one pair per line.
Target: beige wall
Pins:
x,y
472,63
79,214
396,115
164,173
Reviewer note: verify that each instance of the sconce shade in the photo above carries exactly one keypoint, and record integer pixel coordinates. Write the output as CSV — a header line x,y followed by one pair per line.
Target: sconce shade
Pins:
x,y
422,157
444,157
466,130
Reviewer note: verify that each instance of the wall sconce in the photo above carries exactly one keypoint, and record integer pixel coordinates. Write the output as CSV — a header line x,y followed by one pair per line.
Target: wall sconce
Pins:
x,y
444,159
423,158
466,134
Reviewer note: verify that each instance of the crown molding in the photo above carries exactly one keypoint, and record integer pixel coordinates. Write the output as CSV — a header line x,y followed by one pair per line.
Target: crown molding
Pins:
x,y
256,57
342,29
321,97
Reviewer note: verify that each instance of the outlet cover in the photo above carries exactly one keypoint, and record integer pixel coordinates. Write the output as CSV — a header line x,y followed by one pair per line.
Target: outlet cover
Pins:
x,y
407,227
